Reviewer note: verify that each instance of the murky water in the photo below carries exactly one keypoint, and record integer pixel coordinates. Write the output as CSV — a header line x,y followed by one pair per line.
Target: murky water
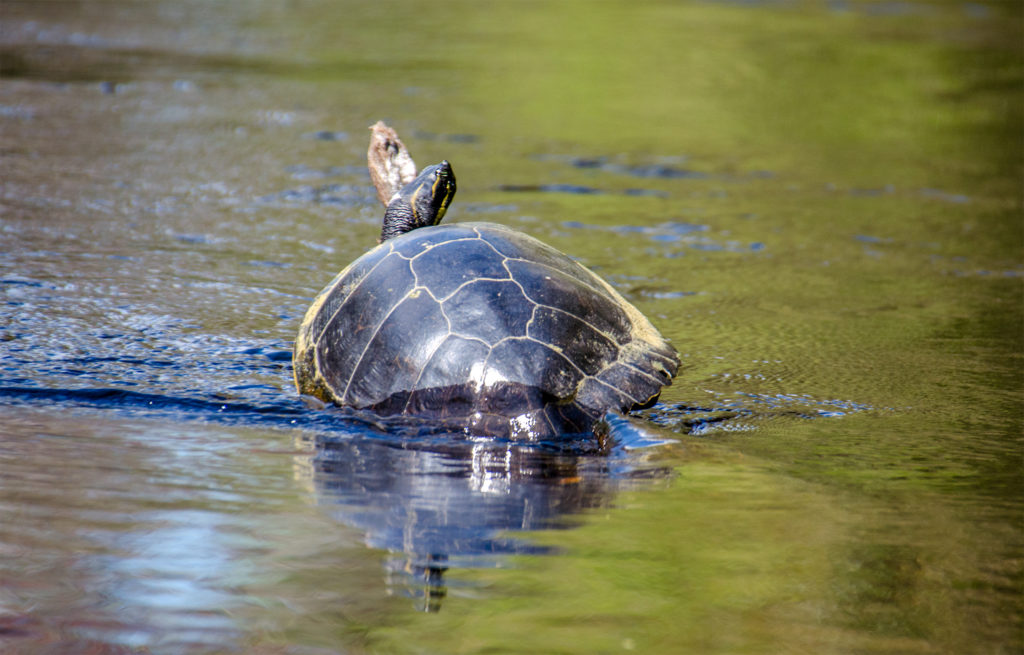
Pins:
x,y
819,203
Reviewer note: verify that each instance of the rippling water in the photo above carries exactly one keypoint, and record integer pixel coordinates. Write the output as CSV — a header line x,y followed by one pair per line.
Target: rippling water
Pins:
x,y
818,203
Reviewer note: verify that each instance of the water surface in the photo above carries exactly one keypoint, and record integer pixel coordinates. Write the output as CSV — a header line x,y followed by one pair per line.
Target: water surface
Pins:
x,y
818,203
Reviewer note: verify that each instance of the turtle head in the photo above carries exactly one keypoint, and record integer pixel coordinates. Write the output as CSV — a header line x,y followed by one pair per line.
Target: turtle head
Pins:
x,y
421,202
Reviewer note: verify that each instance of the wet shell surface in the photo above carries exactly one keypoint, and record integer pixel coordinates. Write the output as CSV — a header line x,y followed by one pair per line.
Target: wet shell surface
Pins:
x,y
482,329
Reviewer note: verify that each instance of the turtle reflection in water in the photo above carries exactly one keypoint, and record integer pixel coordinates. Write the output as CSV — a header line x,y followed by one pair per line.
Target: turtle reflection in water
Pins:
x,y
474,327
457,504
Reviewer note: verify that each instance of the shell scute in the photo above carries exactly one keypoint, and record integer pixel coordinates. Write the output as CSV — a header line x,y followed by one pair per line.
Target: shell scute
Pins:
x,y
451,361
395,356
580,342
416,242
447,266
340,336
596,393
489,310
330,299
531,363
557,289
517,245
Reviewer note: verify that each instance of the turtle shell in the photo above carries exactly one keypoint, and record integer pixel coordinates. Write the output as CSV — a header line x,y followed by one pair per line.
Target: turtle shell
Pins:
x,y
479,328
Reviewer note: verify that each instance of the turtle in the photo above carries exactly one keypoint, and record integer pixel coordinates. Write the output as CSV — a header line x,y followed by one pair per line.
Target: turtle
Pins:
x,y
476,328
